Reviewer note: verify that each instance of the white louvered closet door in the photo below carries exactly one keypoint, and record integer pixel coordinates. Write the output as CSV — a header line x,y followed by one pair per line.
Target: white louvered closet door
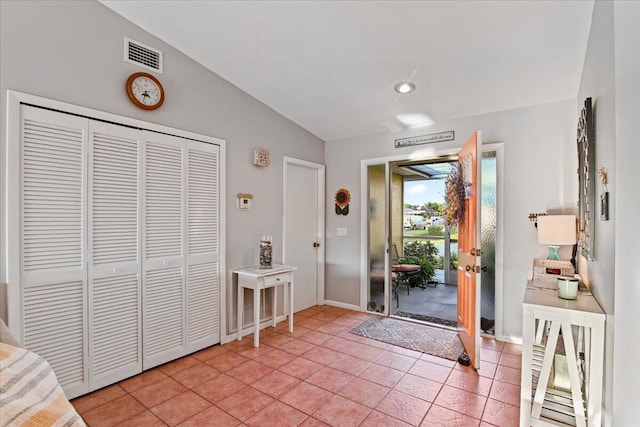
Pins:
x,y
203,248
118,243
163,249
53,243
114,235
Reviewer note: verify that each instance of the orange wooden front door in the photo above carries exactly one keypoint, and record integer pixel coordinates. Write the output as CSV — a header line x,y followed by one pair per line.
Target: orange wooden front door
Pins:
x,y
468,253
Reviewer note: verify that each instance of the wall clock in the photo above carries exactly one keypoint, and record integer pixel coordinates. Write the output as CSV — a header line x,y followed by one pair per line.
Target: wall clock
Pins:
x,y
145,91
261,157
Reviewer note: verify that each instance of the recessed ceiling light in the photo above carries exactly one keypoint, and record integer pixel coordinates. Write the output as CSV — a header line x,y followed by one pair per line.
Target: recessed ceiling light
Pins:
x,y
405,87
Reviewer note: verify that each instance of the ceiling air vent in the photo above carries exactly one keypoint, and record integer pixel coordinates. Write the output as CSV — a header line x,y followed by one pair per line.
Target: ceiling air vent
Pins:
x,y
142,55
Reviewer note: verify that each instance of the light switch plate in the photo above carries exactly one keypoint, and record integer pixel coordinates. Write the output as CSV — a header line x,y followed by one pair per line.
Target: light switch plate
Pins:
x,y
341,231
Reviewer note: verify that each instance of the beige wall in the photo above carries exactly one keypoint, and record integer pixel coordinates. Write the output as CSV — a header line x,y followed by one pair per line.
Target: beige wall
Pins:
x,y
72,51
533,139
610,78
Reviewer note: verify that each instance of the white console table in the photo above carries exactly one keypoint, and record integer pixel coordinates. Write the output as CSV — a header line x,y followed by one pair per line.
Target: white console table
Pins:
x,y
580,325
257,278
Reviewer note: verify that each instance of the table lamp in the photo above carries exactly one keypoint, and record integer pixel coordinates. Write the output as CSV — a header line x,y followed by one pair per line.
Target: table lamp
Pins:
x,y
556,230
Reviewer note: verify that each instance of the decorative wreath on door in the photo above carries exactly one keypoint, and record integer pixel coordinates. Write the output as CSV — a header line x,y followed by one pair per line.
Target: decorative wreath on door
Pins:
x,y
455,195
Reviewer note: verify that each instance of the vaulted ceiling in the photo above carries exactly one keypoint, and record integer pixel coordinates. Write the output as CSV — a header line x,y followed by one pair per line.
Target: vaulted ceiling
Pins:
x,y
330,66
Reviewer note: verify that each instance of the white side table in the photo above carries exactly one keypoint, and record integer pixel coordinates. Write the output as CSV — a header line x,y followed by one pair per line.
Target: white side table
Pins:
x,y
258,279
580,325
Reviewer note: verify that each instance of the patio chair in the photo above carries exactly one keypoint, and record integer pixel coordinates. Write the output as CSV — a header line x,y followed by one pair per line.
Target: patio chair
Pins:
x,y
406,269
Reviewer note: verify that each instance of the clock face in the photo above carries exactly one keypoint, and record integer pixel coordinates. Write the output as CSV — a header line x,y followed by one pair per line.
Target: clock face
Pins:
x,y
145,91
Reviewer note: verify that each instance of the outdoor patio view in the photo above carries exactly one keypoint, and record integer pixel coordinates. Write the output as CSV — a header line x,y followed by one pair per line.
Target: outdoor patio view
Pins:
x,y
430,243
430,238
421,247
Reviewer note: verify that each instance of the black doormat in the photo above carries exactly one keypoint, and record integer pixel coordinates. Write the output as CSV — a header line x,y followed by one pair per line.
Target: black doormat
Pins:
x,y
423,338
423,318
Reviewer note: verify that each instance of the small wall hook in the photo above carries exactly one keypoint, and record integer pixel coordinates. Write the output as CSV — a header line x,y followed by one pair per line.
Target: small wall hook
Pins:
x,y
534,217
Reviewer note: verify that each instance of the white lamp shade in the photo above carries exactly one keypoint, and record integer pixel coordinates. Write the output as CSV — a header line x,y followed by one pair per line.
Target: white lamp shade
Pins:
x,y
557,229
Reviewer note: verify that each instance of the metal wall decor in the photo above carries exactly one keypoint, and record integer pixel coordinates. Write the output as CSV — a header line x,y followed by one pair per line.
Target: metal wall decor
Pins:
x,y
342,200
586,181
604,197
261,157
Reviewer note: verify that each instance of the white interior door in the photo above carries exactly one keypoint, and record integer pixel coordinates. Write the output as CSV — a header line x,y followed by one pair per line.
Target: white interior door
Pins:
x,y
115,242
53,244
203,246
304,230
114,265
163,249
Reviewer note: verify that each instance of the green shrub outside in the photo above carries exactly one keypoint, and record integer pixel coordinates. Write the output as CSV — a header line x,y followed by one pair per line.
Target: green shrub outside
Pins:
x,y
453,262
435,230
423,253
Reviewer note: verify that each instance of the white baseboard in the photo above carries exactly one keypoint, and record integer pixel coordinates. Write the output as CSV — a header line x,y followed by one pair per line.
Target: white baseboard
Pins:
x,y
509,339
343,305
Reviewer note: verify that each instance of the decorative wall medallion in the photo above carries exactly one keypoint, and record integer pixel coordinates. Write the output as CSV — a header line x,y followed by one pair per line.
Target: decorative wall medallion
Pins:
x,y
342,202
261,157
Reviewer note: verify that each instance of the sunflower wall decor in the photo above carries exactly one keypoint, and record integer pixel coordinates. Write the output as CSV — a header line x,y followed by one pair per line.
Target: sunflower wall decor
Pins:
x,y
342,202
455,195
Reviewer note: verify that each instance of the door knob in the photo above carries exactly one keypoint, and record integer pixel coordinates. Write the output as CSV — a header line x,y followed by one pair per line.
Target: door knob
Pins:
x,y
475,252
316,244
474,268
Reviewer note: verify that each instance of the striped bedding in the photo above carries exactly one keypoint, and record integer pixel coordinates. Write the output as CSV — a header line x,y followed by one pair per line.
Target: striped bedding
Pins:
x,y
29,392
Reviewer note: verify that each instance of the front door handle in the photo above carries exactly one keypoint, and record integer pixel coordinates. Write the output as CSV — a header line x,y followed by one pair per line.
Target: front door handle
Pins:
x,y
316,244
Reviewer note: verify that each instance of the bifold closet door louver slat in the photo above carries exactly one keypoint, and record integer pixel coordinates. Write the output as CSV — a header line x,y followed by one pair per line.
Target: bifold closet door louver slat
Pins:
x,y
52,196
164,281
114,265
53,243
203,304
163,200
202,200
203,251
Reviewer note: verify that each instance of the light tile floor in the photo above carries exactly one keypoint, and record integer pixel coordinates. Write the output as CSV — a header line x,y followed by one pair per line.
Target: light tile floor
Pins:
x,y
316,376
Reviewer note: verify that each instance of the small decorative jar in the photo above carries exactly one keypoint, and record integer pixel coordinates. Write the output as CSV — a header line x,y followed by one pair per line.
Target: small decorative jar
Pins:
x,y
567,287
266,251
